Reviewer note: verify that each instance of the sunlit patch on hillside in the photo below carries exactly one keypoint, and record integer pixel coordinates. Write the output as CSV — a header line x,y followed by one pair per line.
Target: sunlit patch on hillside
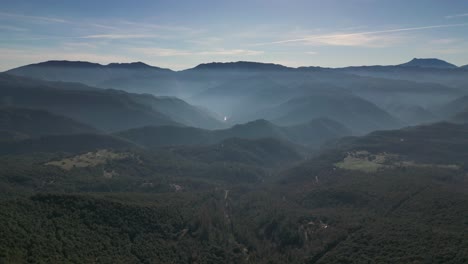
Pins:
x,y
367,162
90,159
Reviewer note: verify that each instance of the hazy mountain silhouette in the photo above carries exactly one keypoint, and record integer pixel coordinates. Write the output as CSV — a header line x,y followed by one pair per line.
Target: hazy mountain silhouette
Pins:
x,y
113,75
242,91
356,113
428,63
454,107
76,143
313,133
33,122
108,110
240,66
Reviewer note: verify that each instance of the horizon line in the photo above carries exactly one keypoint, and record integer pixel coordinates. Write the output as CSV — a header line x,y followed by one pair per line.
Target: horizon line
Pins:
x,y
218,62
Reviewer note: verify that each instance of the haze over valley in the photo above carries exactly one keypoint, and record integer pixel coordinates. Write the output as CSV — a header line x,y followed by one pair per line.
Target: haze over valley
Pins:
x,y
252,154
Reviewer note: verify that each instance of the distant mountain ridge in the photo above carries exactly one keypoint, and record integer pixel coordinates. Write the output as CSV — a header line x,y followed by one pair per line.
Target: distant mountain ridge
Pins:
x,y
235,65
86,64
112,75
429,63
243,91
241,65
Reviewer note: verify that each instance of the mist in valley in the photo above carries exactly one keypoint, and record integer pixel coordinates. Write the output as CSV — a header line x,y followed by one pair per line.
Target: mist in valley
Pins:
x,y
170,132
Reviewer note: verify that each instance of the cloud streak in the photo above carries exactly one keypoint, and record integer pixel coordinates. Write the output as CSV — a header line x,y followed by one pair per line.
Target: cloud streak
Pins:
x,y
354,39
161,52
119,36
36,18
457,16
12,28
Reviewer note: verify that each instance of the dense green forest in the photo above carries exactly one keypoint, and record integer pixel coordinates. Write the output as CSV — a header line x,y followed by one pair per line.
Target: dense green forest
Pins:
x,y
239,201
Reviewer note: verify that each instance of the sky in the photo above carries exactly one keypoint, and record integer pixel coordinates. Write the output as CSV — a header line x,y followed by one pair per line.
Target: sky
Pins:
x,y
182,34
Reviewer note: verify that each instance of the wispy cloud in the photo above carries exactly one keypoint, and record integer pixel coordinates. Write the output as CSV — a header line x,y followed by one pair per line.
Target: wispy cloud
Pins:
x,y
447,51
12,28
207,41
444,41
355,39
457,16
34,18
231,52
155,26
119,36
161,52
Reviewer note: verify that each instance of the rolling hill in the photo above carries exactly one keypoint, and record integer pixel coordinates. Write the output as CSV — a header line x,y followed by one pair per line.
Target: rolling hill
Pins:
x,y
36,123
313,133
64,143
461,117
356,113
108,110
453,107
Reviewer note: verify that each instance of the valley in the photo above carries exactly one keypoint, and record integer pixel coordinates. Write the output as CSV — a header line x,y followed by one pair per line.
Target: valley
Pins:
x,y
233,163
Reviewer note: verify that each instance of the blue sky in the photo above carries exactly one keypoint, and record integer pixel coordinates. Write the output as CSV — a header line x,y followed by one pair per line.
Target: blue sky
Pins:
x,y
182,34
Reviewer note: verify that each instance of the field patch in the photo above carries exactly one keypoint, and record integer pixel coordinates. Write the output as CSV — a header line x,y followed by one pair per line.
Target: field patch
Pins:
x,y
367,162
90,159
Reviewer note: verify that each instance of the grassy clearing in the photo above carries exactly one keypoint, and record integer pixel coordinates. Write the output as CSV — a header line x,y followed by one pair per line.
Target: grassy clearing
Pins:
x,y
90,159
367,162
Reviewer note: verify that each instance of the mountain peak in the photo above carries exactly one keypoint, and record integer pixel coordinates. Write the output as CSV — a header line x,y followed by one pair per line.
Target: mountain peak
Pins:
x,y
131,65
429,63
85,64
241,65
66,63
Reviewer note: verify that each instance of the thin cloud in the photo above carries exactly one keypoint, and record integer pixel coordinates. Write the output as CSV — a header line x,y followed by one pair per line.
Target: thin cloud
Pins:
x,y
232,52
208,41
457,16
156,26
161,52
103,26
12,28
352,39
36,18
444,41
119,36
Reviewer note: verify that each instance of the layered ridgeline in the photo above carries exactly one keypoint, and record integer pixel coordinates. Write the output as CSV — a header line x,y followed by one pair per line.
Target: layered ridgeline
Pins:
x,y
417,70
461,117
454,107
352,111
312,134
240,90
107,110
165,189
113,75
34,123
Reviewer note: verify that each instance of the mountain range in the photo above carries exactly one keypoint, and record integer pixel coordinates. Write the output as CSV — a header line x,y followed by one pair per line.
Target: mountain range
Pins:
x,y
237,162
108,110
